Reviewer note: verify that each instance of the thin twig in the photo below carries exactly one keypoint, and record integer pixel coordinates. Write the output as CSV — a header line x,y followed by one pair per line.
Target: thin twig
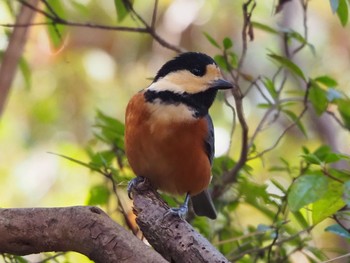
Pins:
x,y
50,8
38,10
154,15
247,29
336,119
304,4
57,20
337,258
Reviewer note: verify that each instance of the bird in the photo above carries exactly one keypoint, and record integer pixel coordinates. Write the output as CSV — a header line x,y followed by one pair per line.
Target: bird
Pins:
x,y
169,134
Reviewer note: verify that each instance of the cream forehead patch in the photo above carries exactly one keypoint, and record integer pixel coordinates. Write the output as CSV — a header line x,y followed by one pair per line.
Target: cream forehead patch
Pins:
x,y
184,81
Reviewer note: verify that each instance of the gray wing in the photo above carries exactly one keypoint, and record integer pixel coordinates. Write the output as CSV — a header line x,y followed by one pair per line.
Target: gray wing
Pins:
x,y
209,141
202,203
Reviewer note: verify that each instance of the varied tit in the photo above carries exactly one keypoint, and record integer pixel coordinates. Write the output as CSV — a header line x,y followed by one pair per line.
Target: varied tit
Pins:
x,y
169,135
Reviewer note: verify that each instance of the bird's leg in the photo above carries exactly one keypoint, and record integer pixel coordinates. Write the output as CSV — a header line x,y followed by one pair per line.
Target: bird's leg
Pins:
x,y
182,210
134,182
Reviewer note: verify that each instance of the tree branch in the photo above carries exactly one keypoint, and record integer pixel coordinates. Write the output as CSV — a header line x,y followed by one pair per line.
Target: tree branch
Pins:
x,y
13,52
87,230
171,236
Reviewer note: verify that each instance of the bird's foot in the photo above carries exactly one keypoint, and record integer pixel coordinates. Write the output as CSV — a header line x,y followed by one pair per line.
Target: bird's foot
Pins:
x,y
133,183
181,211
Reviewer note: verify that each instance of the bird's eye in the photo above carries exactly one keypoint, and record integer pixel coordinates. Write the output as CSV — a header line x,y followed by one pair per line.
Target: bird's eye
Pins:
x,y
197,71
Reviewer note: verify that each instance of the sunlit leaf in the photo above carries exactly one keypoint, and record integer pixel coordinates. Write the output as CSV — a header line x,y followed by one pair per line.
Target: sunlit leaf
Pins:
x,y
287,63
270,86
93,168
227,42
318,98
122,8
326,80
264,27
329,204
220,60
295,119
305,190
99,195
338,230
56,32
300,219
311,158
211,40
344,110
343,12
26,72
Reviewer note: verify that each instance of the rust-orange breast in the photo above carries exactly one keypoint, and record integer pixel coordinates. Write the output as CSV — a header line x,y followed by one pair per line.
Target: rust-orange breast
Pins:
x,y
168,152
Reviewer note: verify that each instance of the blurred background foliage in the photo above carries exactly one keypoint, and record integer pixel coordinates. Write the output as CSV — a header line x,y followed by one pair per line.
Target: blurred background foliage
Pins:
x,y
70,85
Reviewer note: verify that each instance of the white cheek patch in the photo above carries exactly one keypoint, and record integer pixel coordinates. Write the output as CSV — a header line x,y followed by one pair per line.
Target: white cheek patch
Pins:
x,y
166,85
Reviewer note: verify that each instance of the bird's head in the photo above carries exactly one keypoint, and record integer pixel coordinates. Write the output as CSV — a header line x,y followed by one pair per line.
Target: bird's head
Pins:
x,y
190,79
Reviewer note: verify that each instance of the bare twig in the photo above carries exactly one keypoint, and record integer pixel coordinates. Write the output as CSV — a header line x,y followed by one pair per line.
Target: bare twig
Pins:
x,y
304,4
246,30
57,20
336,119
154,15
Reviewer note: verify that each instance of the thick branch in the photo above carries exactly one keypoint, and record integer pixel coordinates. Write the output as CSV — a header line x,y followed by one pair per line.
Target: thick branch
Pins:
x,y
87,230
14,51
171,236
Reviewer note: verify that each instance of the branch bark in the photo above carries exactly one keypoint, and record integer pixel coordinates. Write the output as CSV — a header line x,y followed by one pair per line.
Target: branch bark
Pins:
x,y
14,51
87,230
170,235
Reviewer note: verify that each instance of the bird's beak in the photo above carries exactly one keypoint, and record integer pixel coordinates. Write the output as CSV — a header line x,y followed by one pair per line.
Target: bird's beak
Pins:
x,y
221,84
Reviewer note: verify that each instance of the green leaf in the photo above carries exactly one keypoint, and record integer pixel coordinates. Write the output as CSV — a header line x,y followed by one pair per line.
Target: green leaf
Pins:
x,y
295,119
264,27
278,185
220,60
56,32
343,12
287,63
25,70
305,190
318,98
311,158
122,8
334,5
211,40
338,230
102,159
221,165
227,42
326,80
111,130
329,204
77,161
270,86
344,110
99,195
301,219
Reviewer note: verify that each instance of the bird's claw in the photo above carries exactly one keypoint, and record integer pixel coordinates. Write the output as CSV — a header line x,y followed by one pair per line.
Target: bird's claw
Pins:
x,y
180,212
132,184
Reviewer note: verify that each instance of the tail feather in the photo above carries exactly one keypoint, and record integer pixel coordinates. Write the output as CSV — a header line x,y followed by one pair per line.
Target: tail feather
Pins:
x,y
203,205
